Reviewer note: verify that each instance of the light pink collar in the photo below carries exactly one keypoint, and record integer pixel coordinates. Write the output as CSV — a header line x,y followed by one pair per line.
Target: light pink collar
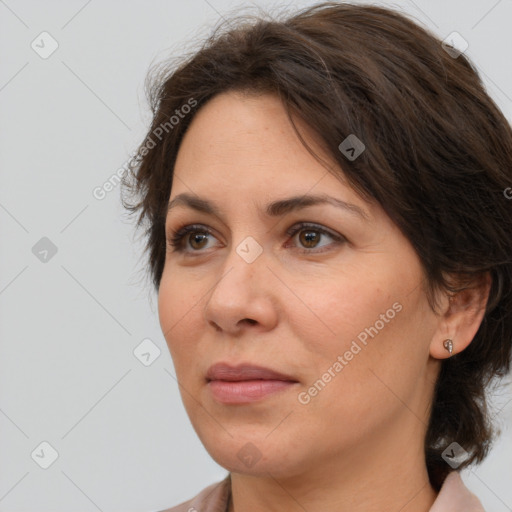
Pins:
x,y
454,496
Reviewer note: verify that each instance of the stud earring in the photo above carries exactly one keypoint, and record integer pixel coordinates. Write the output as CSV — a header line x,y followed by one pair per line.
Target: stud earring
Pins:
x,y
448,345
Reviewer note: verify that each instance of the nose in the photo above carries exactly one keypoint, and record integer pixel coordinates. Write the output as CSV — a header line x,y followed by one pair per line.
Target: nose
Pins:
x,y
243,295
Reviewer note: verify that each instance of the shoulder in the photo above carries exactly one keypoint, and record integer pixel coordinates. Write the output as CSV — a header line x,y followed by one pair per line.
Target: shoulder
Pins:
x,y
213,498
454,496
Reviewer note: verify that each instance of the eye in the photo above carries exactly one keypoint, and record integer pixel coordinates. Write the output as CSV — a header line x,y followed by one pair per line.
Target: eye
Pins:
x,y
309,235
201,234
196,236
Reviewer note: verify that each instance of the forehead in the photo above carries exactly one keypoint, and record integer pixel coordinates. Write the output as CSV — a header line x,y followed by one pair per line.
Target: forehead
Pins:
x,y
247,141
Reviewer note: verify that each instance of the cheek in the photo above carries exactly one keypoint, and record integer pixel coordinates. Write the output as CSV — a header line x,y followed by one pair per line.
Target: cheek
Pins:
x,y
383,331
375,322
179,311
329,314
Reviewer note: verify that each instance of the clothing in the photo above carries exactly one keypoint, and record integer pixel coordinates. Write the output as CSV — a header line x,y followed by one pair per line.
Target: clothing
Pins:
x,y
454,496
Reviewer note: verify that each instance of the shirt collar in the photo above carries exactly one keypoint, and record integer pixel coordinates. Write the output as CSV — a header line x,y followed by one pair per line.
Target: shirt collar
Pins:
x,y
454,496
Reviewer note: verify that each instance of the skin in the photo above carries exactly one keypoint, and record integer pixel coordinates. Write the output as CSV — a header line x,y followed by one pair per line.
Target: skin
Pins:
x,y
295,309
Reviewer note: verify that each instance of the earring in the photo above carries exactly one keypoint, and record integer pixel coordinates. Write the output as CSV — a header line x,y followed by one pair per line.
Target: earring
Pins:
x,y
448,345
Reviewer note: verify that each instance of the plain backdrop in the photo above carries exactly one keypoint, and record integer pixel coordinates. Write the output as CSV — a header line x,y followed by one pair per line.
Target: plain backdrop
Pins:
x,y
74,305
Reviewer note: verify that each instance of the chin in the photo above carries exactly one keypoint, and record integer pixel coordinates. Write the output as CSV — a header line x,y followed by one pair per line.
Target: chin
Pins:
x,y
253,455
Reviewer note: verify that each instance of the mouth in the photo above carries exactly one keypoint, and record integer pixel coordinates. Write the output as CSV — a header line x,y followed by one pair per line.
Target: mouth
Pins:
x,y
245,383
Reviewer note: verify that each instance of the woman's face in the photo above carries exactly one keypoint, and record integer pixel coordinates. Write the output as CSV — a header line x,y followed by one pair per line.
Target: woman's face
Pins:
x,y
339,307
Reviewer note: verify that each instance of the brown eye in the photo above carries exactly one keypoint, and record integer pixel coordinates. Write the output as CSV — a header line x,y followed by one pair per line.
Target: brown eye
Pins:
x,y
309,238
194,237
310,235
197,240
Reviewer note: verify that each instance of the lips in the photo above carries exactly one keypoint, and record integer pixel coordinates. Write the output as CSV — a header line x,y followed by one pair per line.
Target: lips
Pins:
x,y
244,372
245,383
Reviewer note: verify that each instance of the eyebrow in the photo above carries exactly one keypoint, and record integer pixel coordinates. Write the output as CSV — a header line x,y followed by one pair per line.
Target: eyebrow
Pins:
x,y
273,209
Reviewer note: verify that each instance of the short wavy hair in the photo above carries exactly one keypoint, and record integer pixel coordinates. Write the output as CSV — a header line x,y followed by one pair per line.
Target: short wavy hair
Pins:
x,y
438,159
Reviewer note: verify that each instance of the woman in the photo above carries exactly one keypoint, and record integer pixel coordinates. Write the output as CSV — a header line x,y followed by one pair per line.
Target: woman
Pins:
x,y
331,244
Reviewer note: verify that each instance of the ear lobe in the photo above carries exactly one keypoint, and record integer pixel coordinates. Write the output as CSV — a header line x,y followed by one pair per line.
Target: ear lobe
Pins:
x,y
461,318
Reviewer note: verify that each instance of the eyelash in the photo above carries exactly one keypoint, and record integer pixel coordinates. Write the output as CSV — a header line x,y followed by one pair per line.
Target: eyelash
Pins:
x,y
176,237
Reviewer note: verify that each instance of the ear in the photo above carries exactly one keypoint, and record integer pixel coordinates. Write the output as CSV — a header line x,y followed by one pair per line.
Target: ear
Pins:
x,y
461,316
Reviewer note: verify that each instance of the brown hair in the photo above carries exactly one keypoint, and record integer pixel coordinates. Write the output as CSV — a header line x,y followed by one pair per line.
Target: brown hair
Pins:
x,y
438,158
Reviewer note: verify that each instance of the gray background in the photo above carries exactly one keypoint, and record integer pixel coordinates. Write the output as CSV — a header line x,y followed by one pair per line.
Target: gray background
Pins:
x,y
69,326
